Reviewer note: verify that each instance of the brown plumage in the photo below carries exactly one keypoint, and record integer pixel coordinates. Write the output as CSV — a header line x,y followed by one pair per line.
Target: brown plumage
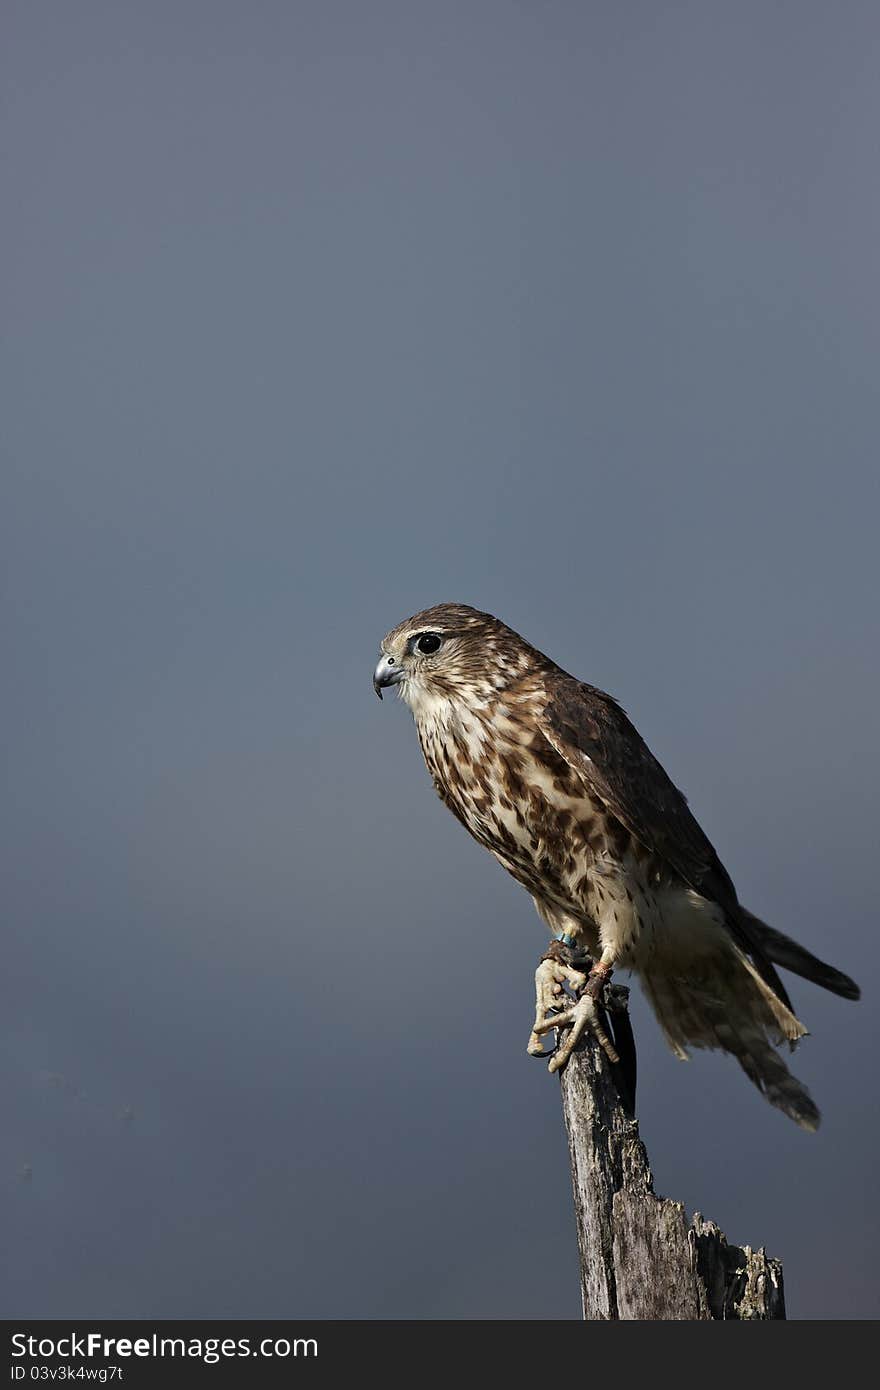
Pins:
x,y
550,776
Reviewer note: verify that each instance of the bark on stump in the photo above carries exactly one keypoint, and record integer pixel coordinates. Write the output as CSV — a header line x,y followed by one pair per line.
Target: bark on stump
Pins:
x,y
639,1258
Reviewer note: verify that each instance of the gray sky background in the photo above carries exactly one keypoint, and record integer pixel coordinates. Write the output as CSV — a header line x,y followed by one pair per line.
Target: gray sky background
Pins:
x,y
315,314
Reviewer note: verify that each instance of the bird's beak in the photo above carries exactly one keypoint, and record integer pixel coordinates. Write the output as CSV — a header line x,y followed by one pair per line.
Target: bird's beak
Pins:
x,y
388,672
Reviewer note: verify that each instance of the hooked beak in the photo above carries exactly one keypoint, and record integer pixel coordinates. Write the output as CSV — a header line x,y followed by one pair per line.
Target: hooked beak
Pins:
x,y
388,672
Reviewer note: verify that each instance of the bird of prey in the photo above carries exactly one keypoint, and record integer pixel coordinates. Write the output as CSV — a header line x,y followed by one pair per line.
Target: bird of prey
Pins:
x,y
550,776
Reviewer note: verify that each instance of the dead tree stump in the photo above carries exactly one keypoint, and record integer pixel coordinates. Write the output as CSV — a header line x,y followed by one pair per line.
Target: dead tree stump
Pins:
x,y
639,1258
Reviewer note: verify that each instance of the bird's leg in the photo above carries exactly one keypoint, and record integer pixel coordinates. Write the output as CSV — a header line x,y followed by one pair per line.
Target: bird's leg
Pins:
x,y
553,973
600,974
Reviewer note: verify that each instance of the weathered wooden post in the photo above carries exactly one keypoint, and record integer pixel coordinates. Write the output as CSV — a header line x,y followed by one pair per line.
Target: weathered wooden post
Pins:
x,y
639,1258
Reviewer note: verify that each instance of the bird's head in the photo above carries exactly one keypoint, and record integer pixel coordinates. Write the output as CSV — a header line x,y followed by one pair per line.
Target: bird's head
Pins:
x,y
452,654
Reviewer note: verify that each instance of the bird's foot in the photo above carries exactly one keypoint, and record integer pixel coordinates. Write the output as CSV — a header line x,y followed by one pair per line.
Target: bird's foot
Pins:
x,y
556,1009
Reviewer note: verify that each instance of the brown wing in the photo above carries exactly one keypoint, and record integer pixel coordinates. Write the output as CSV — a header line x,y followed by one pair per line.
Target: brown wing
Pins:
x,y
590,730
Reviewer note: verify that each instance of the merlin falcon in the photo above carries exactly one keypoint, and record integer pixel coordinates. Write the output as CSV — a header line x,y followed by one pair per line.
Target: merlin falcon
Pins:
x,y
550,776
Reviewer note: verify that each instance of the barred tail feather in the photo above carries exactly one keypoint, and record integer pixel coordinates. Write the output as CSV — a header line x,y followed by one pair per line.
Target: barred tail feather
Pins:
x,y
725,1005
764,1067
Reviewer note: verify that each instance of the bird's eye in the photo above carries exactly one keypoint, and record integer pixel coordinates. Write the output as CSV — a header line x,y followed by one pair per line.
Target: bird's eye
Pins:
x,y
428,642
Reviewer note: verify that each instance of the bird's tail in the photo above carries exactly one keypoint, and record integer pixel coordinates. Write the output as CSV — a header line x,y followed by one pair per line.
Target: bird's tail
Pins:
x,y
787,953
722,1002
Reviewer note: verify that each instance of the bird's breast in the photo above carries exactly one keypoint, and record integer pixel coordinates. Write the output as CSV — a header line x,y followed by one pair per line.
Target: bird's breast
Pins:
x,y
520,800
